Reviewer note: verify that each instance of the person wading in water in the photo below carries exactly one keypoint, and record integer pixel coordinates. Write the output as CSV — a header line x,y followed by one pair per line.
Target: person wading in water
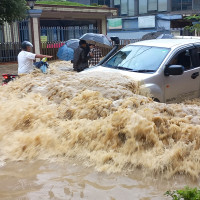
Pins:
x,y
25,58
81,56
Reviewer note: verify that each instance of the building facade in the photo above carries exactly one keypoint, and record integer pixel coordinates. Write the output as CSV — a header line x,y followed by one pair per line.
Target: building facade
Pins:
x,y
109,3
138,17
52,24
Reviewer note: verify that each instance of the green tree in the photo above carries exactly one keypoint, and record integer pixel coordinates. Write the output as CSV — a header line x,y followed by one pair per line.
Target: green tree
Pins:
x,y
11,10
196,24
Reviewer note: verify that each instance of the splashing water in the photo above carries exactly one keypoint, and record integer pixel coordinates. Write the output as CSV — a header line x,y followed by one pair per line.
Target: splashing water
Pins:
x,y
100,119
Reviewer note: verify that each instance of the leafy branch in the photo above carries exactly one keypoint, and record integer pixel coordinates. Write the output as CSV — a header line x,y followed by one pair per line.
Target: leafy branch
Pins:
x,y
196,23
185,194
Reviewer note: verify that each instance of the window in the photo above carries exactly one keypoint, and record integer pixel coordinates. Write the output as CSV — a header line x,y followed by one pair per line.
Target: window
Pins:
x,y
196,4
176,5
152,5
107,2
162,5
1,33
143,7
104,2
101,2
131,8
116,2
188,58
118,6
186,4
124,7
94,1
181,5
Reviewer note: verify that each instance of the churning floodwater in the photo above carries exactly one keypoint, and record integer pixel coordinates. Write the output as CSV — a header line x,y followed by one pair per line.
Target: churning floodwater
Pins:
x,y
67,135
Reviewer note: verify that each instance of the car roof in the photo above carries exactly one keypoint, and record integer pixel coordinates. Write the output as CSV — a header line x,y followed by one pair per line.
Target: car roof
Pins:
x,y
167,43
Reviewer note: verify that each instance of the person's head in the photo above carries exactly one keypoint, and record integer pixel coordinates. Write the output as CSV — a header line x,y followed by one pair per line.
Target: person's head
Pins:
x,y
83,43
26,46
91,46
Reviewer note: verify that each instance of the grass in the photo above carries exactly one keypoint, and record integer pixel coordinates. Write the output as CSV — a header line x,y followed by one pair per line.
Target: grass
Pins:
x,y
61,2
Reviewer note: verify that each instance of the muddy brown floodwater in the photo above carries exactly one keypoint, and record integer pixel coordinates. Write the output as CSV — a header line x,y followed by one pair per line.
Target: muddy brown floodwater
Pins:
x,y
67,135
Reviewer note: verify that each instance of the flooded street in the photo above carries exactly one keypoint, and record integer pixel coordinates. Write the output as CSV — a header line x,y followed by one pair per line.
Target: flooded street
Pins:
x,y
67,135
44,180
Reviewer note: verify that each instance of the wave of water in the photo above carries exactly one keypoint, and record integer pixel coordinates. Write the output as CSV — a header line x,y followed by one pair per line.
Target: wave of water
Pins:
x,y
99,119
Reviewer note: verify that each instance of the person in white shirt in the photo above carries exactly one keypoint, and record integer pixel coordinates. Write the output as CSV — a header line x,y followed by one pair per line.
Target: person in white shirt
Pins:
x,y
25,58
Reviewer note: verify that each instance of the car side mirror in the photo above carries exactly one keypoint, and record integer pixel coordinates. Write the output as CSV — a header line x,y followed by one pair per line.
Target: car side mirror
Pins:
x,y
174,70
115,40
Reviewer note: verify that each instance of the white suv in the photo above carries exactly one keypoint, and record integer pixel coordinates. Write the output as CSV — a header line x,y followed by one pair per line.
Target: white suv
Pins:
x,y
168,67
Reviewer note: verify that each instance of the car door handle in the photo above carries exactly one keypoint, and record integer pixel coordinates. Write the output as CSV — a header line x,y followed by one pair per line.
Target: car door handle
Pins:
x,y
194,75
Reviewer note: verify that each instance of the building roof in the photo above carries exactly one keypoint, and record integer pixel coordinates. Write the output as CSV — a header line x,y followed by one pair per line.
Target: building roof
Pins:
x,y
64,12
168,43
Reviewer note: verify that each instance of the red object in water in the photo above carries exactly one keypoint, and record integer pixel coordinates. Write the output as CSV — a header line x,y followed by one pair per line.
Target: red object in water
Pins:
x,y
5,76
8,78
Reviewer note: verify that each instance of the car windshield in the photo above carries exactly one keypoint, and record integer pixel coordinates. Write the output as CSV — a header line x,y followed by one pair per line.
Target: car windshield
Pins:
x,y
135,58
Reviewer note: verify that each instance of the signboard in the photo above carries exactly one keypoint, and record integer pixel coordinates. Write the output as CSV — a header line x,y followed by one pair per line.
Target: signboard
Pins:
x,y
43,41
115,23
146,22
43,38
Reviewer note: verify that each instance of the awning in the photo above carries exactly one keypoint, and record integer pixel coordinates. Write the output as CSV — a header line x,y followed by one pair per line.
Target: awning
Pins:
x,y
168,17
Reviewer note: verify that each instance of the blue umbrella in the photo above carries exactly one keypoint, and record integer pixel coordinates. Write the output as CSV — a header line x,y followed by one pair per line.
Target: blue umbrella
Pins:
x,y
73,43
65,53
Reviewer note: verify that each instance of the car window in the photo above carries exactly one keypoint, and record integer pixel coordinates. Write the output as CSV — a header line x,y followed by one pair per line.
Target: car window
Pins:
x,y
189,58
138,58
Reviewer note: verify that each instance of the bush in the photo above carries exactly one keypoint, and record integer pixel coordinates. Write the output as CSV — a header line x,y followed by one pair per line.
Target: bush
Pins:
x,y
184,194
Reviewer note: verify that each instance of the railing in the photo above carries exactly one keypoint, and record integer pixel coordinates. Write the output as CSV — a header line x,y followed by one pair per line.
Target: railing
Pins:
x,y
9,51
11,36
58,33
51,48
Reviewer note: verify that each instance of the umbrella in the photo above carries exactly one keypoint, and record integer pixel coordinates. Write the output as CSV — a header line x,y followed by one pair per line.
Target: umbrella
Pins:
x,y
150,36
97,39
156,35
65,53
165,36
73,43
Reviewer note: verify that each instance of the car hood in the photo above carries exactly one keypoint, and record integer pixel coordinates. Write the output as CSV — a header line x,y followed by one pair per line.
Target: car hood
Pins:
x,y
134,75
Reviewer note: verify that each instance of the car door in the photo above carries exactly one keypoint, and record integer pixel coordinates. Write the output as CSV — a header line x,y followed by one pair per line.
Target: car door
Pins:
x,y
187,85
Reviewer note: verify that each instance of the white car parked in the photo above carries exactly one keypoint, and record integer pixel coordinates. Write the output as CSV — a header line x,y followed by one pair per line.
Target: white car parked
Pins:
x,y
168,67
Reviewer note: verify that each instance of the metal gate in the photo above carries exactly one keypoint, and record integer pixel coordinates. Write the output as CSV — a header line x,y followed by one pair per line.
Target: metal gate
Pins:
x,y
11,36
54,34
52,38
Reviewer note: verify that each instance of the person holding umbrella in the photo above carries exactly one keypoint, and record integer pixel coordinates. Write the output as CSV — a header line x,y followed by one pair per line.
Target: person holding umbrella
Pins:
x,y
81,56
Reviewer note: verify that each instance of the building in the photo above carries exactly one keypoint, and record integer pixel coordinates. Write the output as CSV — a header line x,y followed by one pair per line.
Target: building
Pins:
x,y
51,24
138,17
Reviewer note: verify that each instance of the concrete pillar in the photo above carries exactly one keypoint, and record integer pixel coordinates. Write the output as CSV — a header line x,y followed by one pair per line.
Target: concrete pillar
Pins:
x,y
35,29
104,26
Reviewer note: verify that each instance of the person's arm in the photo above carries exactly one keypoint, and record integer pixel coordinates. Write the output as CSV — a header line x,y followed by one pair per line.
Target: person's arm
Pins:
x,y
42,56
